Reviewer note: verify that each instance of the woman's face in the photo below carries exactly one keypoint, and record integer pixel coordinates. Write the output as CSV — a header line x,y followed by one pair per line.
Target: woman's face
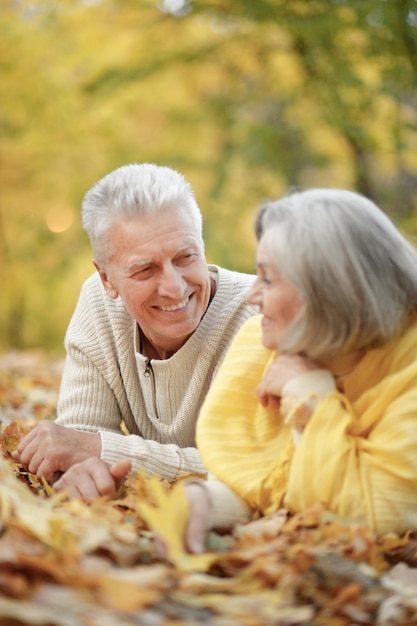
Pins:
x,y
278,300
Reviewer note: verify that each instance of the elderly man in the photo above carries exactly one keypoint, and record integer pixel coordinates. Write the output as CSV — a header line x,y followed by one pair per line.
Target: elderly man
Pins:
x,y
150,329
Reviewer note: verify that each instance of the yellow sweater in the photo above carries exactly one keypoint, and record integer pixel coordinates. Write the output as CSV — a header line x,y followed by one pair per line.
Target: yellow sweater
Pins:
x,y
357,454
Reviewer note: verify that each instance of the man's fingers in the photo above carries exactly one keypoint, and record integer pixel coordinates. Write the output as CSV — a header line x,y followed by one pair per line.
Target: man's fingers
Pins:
x,y
44,470
27,439
118,472
86,490
24,453
120,469
51,448
88,480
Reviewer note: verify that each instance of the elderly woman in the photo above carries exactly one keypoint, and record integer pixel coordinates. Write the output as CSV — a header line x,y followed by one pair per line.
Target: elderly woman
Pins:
x,y
317,397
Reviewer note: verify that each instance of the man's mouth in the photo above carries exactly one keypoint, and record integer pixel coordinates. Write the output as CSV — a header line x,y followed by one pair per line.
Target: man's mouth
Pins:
x,y
175,307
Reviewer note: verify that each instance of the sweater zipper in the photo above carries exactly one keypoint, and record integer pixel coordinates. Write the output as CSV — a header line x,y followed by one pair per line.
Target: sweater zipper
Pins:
x,y
148,368
148,371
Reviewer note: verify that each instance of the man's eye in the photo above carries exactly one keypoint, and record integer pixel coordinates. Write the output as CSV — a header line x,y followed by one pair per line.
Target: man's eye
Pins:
x,y
141,274
185,258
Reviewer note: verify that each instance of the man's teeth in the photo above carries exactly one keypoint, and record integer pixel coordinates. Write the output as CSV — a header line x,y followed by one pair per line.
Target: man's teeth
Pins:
x,y
175,307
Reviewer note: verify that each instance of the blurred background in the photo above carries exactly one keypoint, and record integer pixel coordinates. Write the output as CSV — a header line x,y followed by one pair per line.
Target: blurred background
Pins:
x,y
245,97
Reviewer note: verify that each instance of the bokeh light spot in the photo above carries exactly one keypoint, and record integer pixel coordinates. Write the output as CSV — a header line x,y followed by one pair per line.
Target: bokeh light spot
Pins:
x,y
60,219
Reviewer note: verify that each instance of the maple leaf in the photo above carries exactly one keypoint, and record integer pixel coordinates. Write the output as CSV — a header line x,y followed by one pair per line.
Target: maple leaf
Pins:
x,y
168,518
10,438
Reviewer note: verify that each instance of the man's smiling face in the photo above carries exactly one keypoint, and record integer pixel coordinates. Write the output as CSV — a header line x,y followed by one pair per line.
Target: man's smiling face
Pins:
x,y
157,266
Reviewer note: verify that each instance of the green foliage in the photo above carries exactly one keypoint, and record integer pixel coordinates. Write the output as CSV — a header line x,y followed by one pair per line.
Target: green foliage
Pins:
x,y
245,98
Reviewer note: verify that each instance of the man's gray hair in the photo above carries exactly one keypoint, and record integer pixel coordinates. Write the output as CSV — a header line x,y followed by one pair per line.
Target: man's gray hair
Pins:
x,y
131,190
356,273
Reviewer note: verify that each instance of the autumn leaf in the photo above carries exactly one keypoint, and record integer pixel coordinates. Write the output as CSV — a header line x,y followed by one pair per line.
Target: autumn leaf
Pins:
x,y
20,507
75,564
10,438
167,518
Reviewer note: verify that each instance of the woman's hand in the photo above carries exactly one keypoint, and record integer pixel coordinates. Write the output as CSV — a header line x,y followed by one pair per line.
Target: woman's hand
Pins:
x,y
279,373
196,530
197,524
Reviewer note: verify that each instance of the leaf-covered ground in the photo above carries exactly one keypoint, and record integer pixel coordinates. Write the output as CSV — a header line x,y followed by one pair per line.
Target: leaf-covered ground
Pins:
x,y
70,564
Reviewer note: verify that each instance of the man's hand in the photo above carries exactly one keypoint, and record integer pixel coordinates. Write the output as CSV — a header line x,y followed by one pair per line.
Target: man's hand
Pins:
x,y
49,449
93,478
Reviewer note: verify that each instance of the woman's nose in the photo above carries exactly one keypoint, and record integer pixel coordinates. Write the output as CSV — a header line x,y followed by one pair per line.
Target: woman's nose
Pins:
x,y
254,295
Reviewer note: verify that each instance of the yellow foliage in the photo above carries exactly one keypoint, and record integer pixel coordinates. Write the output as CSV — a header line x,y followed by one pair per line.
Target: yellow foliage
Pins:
x,y
287,93
167,518
20,508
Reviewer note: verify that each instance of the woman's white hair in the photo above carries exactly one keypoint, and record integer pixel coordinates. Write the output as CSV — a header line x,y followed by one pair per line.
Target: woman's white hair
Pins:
x,y
356,273
131,190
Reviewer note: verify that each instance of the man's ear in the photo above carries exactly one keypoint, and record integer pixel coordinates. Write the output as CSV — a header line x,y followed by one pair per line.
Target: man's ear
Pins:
x,y
107,284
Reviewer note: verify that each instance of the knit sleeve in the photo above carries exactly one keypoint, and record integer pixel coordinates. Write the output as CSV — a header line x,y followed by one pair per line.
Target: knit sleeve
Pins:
x,y
86,401
92,394
166,460
226,506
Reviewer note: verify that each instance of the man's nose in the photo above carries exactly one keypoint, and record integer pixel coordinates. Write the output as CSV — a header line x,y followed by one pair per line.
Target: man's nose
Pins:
x,y
171,283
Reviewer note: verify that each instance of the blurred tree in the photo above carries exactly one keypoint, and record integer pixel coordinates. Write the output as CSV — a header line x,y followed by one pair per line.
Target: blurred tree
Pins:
x,y
245,97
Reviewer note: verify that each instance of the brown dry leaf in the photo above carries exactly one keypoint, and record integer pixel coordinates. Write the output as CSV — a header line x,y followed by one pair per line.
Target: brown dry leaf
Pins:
x,y
20,613
306,519
266,607
135,589
397,548
198,582
73,564
10,438
263,528
21,508
397,610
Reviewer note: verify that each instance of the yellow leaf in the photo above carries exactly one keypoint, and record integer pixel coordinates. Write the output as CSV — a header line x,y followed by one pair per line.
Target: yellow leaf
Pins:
x,y
10,443
168,520
21,508
10,438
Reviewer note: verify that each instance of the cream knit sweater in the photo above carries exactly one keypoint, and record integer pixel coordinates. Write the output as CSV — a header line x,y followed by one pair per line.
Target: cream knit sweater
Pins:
x,y
107,388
